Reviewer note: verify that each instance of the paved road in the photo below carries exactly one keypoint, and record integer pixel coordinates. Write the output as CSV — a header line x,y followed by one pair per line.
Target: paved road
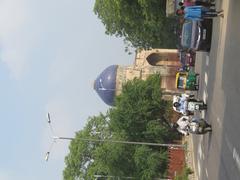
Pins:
x,y
217,155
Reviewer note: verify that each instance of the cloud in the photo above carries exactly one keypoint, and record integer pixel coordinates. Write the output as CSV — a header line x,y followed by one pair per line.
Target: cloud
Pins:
x,y
5,176
13,20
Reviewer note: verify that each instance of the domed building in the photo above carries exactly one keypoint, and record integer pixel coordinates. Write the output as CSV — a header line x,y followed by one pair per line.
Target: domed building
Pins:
x,y
163,61
105,84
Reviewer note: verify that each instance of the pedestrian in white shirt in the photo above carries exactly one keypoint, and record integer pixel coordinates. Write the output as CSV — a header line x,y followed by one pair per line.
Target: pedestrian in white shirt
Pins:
x,y
182,125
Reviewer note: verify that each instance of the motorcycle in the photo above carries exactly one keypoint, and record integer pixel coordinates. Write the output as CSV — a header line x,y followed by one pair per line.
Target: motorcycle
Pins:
x,y
187,104
193,125
196,105
199,126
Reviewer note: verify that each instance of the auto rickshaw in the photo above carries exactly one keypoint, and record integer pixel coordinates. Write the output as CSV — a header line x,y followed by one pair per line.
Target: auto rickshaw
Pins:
x,y
187,80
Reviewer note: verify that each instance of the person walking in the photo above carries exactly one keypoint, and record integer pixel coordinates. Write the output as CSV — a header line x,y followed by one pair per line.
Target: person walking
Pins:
x,y
182,125
197,3
198,12
204,3
186,3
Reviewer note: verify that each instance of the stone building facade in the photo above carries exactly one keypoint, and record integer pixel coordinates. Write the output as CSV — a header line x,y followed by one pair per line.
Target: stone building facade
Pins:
x,y
163,61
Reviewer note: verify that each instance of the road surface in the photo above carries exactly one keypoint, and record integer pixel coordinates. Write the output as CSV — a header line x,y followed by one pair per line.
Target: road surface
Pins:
x,y
217,155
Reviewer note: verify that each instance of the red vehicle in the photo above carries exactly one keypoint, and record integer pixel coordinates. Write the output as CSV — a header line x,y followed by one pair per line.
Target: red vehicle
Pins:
x,y
187,59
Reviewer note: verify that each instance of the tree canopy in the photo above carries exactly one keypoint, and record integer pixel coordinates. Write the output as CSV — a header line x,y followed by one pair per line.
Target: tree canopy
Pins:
x,y
139,116
143,23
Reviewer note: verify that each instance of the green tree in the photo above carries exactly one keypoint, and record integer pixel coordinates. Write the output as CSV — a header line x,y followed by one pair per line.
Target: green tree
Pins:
x,y
143,23
89,158
81,156
140,111
150,164
140,116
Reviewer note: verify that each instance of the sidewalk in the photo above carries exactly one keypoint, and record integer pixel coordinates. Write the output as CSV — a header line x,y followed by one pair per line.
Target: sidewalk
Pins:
x,y
190,157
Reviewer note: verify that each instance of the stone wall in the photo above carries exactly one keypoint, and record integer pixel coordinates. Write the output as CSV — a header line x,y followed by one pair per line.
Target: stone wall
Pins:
x,y
162,61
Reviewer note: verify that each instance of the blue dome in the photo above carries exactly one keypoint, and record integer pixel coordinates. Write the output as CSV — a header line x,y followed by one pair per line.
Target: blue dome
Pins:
x,y
105,85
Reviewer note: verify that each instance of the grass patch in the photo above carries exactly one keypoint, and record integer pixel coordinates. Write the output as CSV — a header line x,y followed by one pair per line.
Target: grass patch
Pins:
x,y
184,175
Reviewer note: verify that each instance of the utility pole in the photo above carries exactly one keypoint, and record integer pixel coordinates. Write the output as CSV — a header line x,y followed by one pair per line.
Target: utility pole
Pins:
x,y
56,138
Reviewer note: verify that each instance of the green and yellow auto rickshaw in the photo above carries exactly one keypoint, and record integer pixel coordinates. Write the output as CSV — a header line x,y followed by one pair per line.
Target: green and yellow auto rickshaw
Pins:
x,y
187,80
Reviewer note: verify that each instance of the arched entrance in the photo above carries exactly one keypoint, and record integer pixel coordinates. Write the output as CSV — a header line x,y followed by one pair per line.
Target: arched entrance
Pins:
x,y
163,59
155,59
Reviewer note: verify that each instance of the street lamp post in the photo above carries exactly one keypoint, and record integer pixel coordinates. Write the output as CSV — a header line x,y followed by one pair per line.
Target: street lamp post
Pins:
x,y
121,142
112,177
55,138
96,176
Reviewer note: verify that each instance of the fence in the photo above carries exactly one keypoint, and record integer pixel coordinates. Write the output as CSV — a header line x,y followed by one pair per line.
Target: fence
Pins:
x,y
176,161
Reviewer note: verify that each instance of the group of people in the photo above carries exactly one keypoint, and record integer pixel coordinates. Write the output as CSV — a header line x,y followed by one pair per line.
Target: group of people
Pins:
x,y
198,10
186,104
187,123
195,125
180,103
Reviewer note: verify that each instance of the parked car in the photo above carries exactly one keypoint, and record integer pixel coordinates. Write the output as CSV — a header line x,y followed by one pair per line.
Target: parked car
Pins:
x,y
187,59
197,35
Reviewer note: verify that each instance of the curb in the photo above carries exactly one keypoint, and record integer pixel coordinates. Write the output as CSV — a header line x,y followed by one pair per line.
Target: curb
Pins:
x,y
190,159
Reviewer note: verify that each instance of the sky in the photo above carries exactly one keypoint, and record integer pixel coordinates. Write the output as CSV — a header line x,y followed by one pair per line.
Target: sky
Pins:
x,y
51,51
